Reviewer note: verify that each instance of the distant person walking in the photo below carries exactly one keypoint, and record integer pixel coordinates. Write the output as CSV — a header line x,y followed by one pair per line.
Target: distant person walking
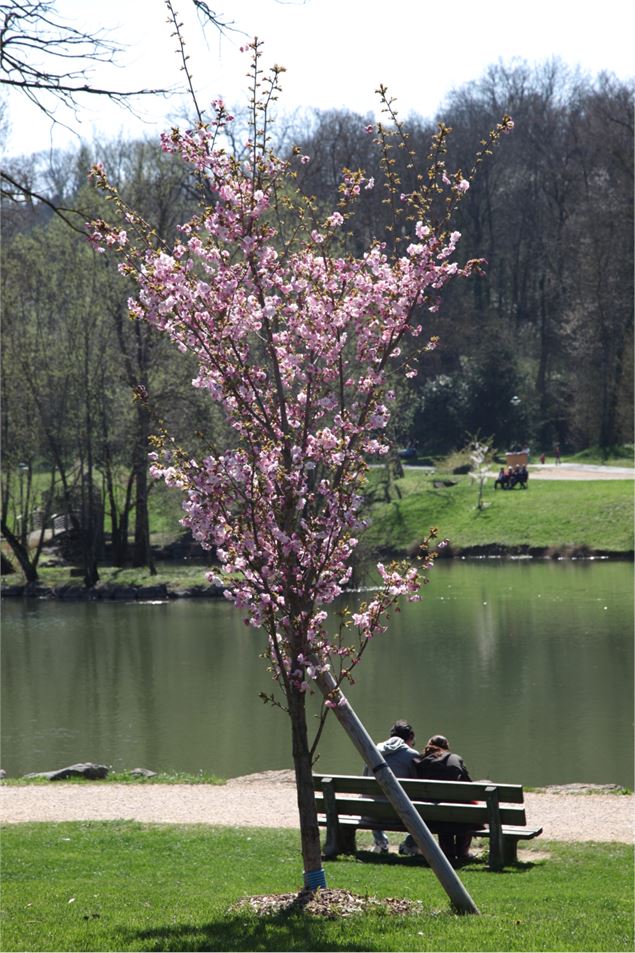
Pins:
x,y
542,458
557,454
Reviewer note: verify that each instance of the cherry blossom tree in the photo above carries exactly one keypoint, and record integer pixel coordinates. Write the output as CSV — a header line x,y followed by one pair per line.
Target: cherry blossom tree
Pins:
x,y
294,339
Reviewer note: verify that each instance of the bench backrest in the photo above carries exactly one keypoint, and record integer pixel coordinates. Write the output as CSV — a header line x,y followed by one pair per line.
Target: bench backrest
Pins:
x,y
460,791
435,801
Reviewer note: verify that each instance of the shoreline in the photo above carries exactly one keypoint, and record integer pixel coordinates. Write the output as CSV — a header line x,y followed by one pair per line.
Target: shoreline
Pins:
x,y
162,592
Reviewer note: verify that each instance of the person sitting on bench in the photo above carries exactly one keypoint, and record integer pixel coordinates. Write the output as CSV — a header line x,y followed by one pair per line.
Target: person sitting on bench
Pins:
x,y
438,763
399,755
514,477
501,479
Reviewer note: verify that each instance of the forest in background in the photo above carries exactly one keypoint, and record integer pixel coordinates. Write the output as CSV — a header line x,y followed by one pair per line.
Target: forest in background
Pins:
x,y
537,352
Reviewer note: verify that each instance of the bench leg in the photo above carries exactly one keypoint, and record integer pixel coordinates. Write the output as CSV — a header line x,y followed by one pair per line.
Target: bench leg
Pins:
x,y
496,860
347,840
331,846
339,840
510,851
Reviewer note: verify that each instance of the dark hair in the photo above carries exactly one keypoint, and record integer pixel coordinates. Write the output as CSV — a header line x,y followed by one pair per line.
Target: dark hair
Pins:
x,y
436,743
439,741
401,729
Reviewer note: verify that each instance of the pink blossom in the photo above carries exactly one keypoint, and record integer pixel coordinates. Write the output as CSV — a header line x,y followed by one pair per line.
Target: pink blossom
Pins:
x,y
294,344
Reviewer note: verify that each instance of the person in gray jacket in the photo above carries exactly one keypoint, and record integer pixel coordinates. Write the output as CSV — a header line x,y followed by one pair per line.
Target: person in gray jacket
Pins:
x,y
399,755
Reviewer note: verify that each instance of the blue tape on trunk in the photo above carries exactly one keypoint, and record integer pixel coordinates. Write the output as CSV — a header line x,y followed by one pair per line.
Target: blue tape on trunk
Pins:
x,y
314,879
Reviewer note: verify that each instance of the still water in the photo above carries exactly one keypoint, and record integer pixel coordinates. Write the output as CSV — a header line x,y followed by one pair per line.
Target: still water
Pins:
x,y
526,667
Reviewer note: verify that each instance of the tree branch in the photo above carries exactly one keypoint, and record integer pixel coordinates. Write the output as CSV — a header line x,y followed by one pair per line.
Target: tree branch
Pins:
x,y
26,192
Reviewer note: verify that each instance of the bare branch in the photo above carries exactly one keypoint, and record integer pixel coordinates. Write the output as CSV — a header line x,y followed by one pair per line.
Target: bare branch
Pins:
x,y
49,60
207,16
181,51
18,191
31,27
93,90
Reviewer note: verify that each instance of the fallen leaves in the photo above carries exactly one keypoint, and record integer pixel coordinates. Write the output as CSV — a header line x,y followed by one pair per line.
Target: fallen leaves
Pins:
x,y
323,902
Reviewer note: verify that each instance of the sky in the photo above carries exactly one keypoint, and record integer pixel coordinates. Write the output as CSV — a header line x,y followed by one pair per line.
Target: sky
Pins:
x,y
336,53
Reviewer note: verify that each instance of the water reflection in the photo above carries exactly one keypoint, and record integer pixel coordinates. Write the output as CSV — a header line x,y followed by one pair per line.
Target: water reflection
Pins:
x,y
527,667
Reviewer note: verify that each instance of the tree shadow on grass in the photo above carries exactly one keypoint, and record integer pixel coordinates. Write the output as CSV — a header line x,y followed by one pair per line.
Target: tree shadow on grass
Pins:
x,y
479,865
389,860
283,931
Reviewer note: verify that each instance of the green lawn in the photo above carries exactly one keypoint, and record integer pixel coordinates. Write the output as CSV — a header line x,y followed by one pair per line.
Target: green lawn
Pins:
x,y
550,513
126,886
174,574
621,456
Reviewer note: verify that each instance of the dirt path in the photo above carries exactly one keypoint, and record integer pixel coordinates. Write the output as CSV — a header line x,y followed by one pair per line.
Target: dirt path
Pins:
x,y
269,800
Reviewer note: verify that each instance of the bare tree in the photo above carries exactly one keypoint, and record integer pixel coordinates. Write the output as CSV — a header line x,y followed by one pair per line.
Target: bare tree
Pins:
x,y
49,61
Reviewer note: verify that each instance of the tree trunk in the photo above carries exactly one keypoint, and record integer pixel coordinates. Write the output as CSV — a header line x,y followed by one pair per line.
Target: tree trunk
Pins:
x,y
142,551
21,554
136,358
309,829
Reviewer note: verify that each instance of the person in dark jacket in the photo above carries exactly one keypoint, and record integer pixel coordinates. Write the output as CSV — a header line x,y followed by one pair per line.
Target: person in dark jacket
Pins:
x,y
438,763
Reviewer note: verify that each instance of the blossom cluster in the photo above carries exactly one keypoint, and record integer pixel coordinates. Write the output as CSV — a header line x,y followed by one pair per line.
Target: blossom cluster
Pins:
x,y
293,340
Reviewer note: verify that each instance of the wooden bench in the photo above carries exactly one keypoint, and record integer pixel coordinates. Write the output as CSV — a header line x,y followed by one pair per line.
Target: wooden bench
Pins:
x,y
348,803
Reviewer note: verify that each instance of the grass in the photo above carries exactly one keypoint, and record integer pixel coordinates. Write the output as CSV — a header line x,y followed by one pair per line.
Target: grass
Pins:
x,y
621,456
174,574
128,886
597,514
122,777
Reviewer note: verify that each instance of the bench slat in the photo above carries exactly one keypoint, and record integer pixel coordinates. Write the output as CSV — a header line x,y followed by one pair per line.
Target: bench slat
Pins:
x,y
521,833
518,833
423,790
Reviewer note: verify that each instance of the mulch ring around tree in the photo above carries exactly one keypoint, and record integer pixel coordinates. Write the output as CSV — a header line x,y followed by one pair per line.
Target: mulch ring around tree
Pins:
x,y
323,902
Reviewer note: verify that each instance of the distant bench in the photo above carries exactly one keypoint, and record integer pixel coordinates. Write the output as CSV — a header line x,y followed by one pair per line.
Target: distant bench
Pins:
x,y
349,803
509,484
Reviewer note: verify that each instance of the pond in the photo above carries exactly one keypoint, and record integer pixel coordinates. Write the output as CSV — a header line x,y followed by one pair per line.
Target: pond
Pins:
x,y
527,667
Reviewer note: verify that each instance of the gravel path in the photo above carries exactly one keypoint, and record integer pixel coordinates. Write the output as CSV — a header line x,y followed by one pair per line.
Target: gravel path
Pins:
x,y
577,471
574,471
269,800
